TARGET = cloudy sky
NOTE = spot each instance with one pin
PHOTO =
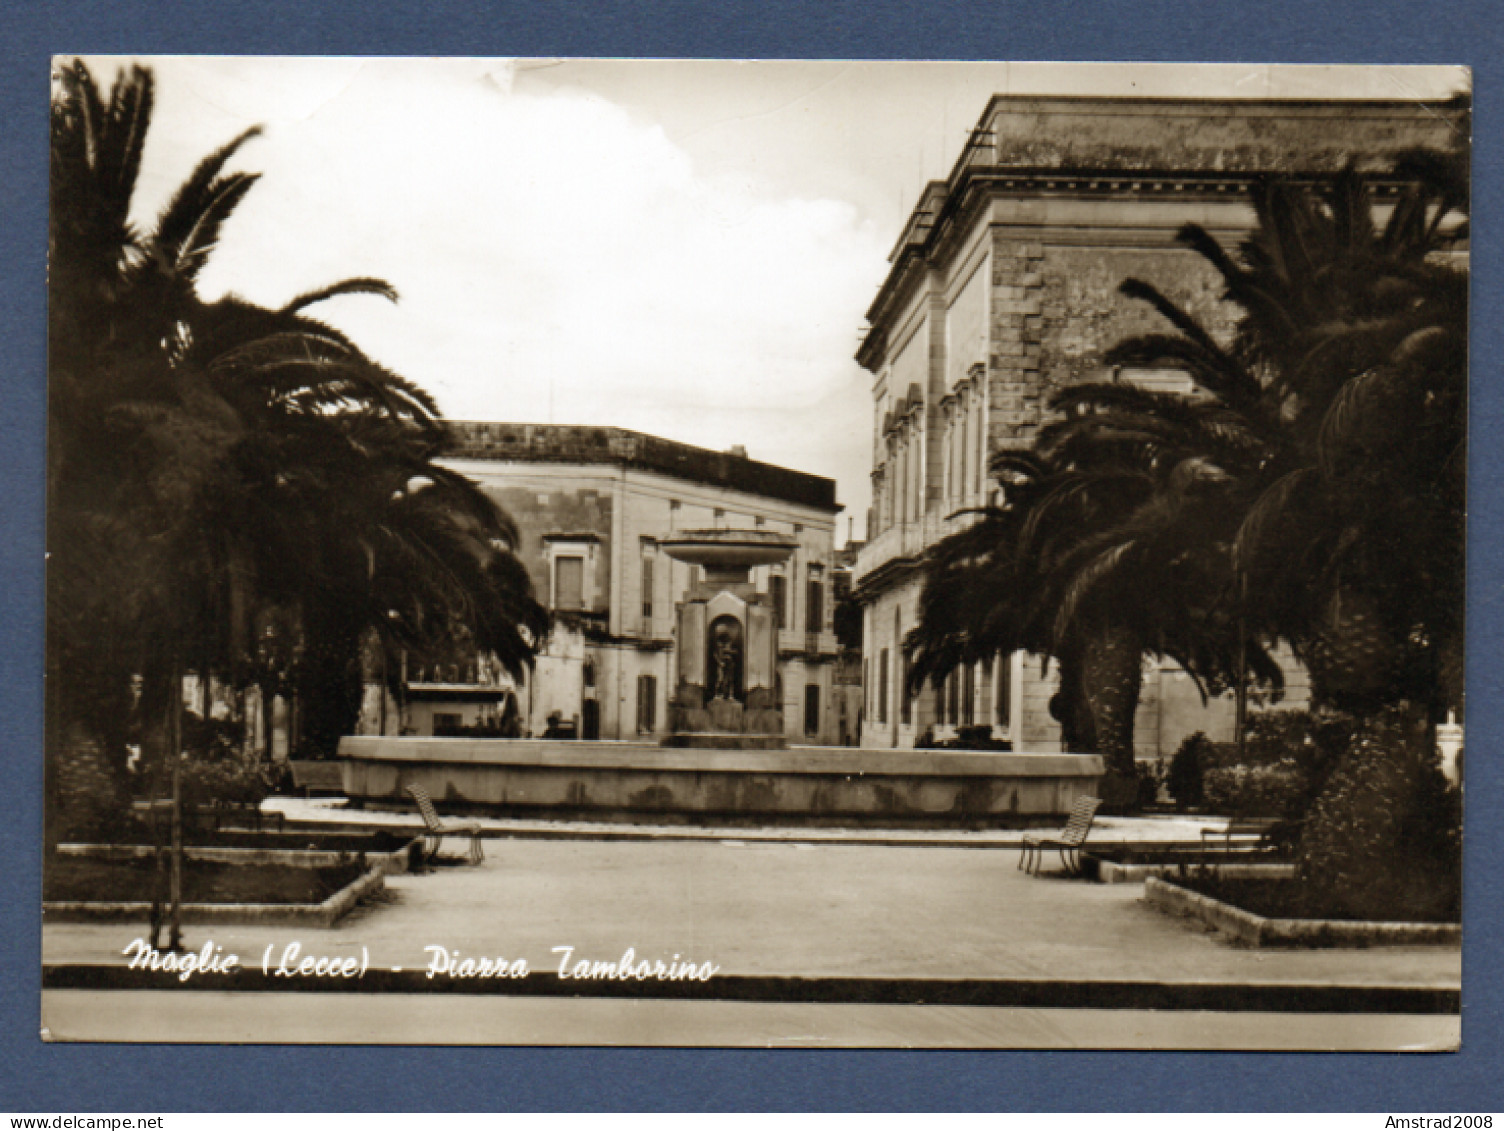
(681, 248)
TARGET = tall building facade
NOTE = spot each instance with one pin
(1003, 287)
(591, 506)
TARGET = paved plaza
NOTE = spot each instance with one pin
(789, 909)
(760, 908)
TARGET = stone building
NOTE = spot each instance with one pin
(1003, 287)
(591, 506)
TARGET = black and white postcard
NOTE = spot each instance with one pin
(706, 553)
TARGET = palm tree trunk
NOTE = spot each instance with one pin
(1112, 677)
(1068, 706)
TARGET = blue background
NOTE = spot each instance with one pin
(38, 1077)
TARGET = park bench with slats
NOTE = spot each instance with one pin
(1240, 832)
(1068, 843)
(438, 830)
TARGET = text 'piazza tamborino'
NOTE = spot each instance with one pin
(444, 962)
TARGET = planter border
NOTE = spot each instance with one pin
(1260, 931)
(1111, 872)
(324, 914)
(392, 863)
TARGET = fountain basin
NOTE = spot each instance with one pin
(627, 781)
(729, 549)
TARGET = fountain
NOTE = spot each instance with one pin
(726, 693)
(725, 759)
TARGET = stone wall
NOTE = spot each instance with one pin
(1015, 394)
(1082, 312)
(567, 508)
(1208, 136)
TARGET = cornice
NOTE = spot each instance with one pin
(975, 186)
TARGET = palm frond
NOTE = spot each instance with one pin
(189, 226)
(364, 286)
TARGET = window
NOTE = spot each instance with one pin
(812, 709)
(647, 703)
(904, 712)
(965, 439)
(882, 686)
(815, 610)
(968, 695)
(953, 699)
(905, 704)
(979, 474)
(587, 673)
(777, 591)
(647, 585)
(569, 583)
(1004, 689)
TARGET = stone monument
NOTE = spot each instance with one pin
(726, 693)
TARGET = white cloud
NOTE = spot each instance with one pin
(549, 248)
(682, 248)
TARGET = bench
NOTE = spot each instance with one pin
(1240, 832)
(1068, 843)
(326, 777)
(438, 830)
(212, 817)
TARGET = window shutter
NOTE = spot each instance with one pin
(812, 709)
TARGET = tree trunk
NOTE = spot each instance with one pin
(1354, 657)
(1383, 838)
(1069, 708)
(1112, 676)
(86, 788)
(85, 780)
(329, 689)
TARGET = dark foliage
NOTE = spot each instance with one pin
(218, 470)
(1383, 838)
(1184, 778)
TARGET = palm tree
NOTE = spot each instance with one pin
(1092, 560)
(1350, 528)
(1347, 375)
(423, 557)
(213, 463)
(1149, 518)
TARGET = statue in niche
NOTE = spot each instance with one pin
(726, 658)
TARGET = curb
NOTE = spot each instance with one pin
(324, 914)
(1260, 931)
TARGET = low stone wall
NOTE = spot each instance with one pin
(1256, 930)
(1111, 872)
(395, 862)
(630, 780)
(325, 914)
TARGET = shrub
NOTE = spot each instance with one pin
(1274, 737)
(1254, 791)
(238, 779)
(1151, 781)
(216, 771)
(1184, 779)
(1284, 764)
(965, 738)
